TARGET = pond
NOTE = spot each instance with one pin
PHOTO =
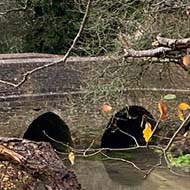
(112, 175)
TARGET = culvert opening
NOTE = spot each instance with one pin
(130, 120)
(49, 127)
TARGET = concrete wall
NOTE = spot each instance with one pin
(77, 89)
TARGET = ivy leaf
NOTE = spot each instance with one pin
(163, 110)
(169, 96)
(71, 158)
(147, 132)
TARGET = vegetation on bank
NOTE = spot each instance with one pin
(50, 26)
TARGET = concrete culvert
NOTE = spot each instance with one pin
(131, 120)
(49, 127)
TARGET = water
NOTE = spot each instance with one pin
(117, 175)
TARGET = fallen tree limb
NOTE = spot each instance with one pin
(31, 164)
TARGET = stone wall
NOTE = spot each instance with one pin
(76, 90)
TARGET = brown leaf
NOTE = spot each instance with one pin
(163, 110)
(186, 59)
(147, 132)
(124, 41)
(106, 108)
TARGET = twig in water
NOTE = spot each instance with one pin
(123, 160)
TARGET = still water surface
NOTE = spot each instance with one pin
(117, 175)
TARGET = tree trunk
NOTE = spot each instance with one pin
(33, 165)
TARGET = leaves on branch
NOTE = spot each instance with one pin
(163, 110)
(147, 132)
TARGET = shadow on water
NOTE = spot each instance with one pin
(112, 175)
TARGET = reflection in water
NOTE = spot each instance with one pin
(119, 173)
(95, 177)
(109, 175)
(125, 174)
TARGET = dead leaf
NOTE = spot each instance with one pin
(183, 106)
(163, 110)
(124, 40)
(180, 115)
(147, 132)
(71, 158)
(155, 44)
(186, 59)
(106, 108)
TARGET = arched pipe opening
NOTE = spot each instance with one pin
(126, 127)
(49, 127)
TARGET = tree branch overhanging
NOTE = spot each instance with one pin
(161, 47)
(147, 53)
(174, 43)
(62, 60)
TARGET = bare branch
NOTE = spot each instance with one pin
(176, 133)
(162, 47)
(174, 43)
(146, 53)
(63, 60)
(123, 160)
(125, 133)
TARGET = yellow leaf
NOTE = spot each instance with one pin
(180, 115)
(147, 132)
(183, 106)
(106, 108)
(71, 157)
(163, 110)
(186, 60)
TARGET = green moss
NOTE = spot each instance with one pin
(182, 160)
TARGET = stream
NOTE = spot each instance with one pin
(118, 175)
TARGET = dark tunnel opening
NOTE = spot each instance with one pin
(130, 120)
(49, 127)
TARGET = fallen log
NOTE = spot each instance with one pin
(32, 165)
